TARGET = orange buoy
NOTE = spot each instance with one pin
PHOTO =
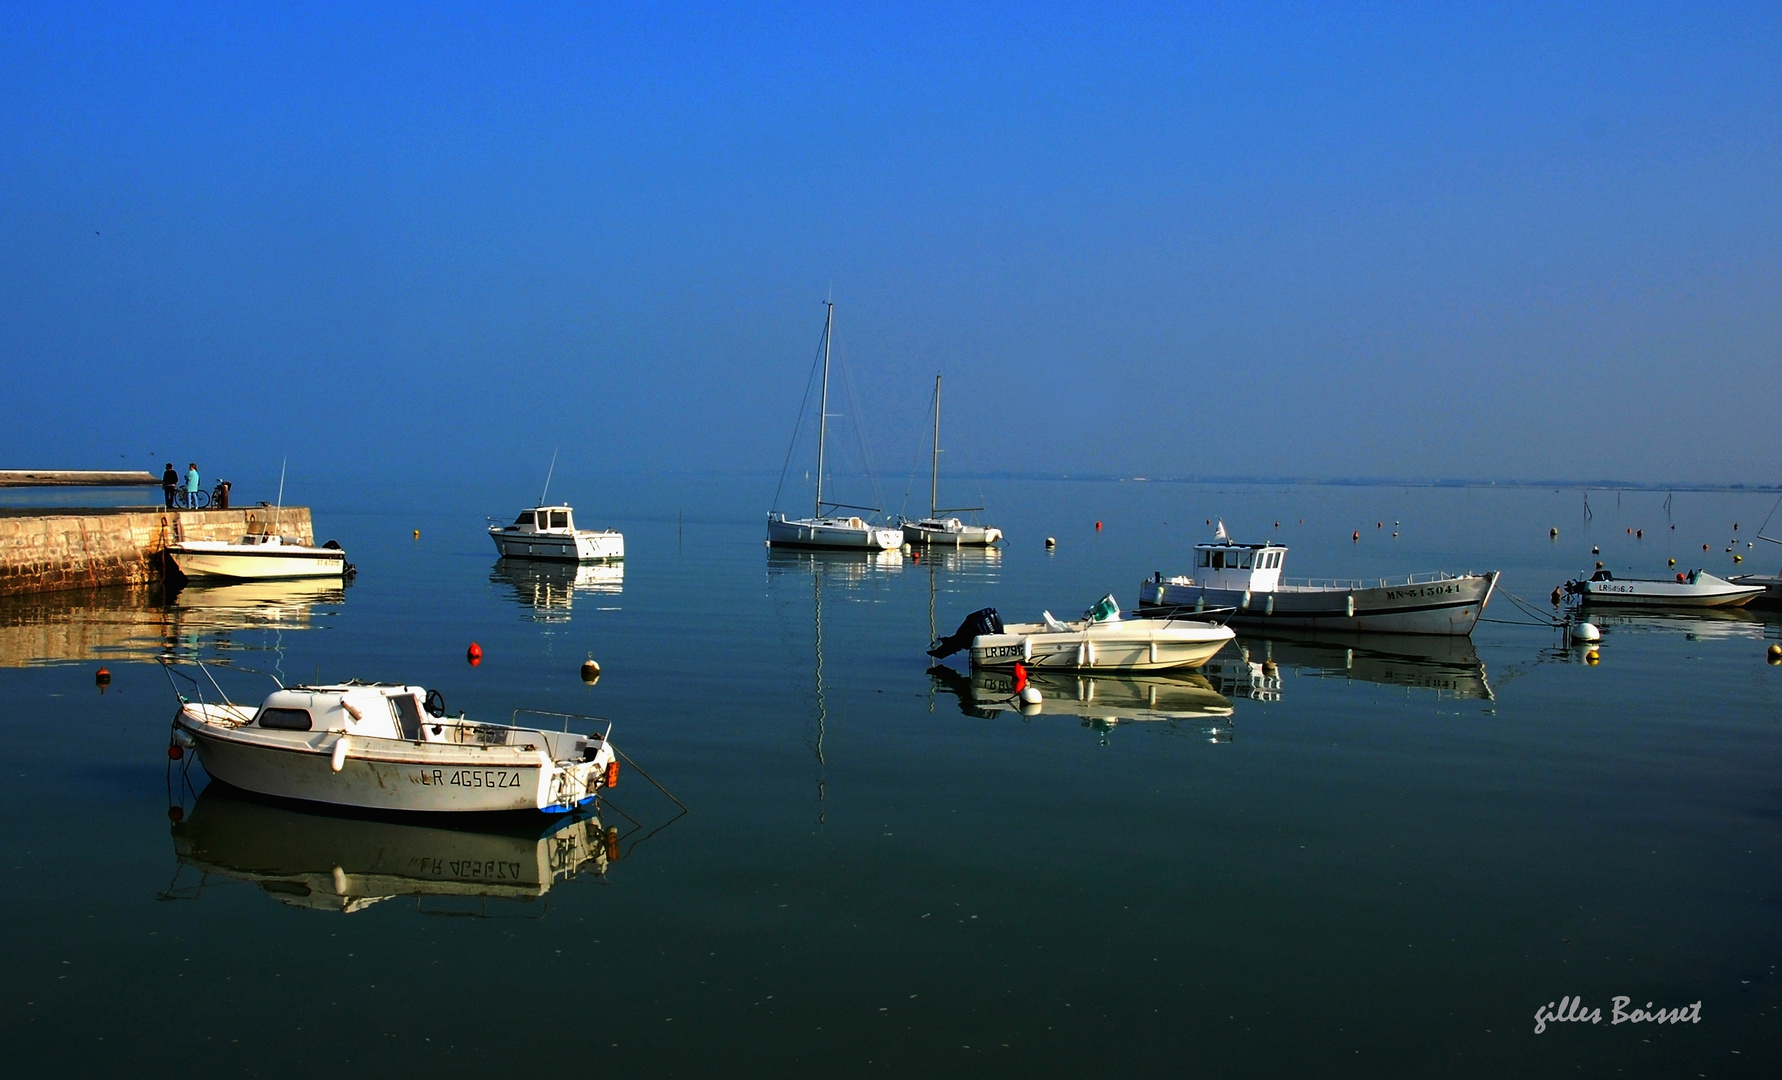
(175, 751)
(1020, 676)
(474, 654)
(1355, 536)
(1098, 526)
(1557, 596)
(612, 773)
(102, 679)
(176, 814)
(1704, 547)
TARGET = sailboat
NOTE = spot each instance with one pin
(829, 531)
(935, 529)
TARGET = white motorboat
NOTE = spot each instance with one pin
(334, 861)
(1100, 640)
(1247, 578)
(258, 557)
(946, 531)
(549, 532)
(1696, 588)
(822, 530)
(385, 746)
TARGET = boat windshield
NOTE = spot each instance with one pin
(524, 521)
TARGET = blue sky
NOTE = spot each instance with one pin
(1414, 241)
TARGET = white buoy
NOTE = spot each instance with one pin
(906, 549)
(1051, 543)
(1030, 695)
(1586, 631)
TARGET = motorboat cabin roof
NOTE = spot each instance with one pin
(378, 710)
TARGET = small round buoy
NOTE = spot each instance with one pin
(1558, 595)
(1735, 526)
(1594, 550)
(1738, 558)
(1679, 577)
(915, 556)
(1591, 657)
(906, 547)
(590, 671)
(1277, 524)
(1051, 543)
(417, 534)
(1704, 547)
(1379, 524)
(1599, 564)
(474, 654)
(1030, 695)
(1355, 536)
(1553, 534)
(176, 814)
(175, 751)
(1098, 526)
(1639, 534)
(102, 679)
(1673, 562)
(1586, 632)
(1268, 667)
(1775, 654)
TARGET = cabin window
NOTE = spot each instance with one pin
(1218, 560)
(407, 714)
(524, 521)
(1246, 563)
(285, 719)
(1204, 558)
(559, 519)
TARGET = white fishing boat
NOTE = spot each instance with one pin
(822, 530)
(936, 529)
(549, 532)
(258, 557)
(1695, 588)
(1247, 578)
(1100, 640)
(385, 746)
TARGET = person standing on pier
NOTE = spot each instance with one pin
(169, 484)
(193, 485)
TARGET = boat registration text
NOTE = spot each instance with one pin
(470, 778)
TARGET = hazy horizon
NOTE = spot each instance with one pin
(1522, 243)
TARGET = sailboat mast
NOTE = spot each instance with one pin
(934, 477)
(823, 404)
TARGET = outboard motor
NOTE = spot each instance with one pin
(981, 621)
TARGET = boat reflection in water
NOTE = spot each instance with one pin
(336, 861)
(1447, 665)
(1705, 624)
(838, 567)
(550, 588)
(1102, 702)
(142, 622)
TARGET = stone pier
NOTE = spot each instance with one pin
(48, 550)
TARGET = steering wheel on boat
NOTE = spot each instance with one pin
(435, 704)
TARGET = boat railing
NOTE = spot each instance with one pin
(169, 662)
(1370, 583)
(513, 720)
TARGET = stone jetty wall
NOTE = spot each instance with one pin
(52, 550)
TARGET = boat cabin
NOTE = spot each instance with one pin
(544, 519)
(1239, 567)
(376, 710)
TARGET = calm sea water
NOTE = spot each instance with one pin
(1363, 857)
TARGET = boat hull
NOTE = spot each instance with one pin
(1123, 646)
(1772, 588)
(831, 533)
(1450, 605)
(1668, 594)
(388, 774)
(966, 536)
(246, 563)
(580, 547)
